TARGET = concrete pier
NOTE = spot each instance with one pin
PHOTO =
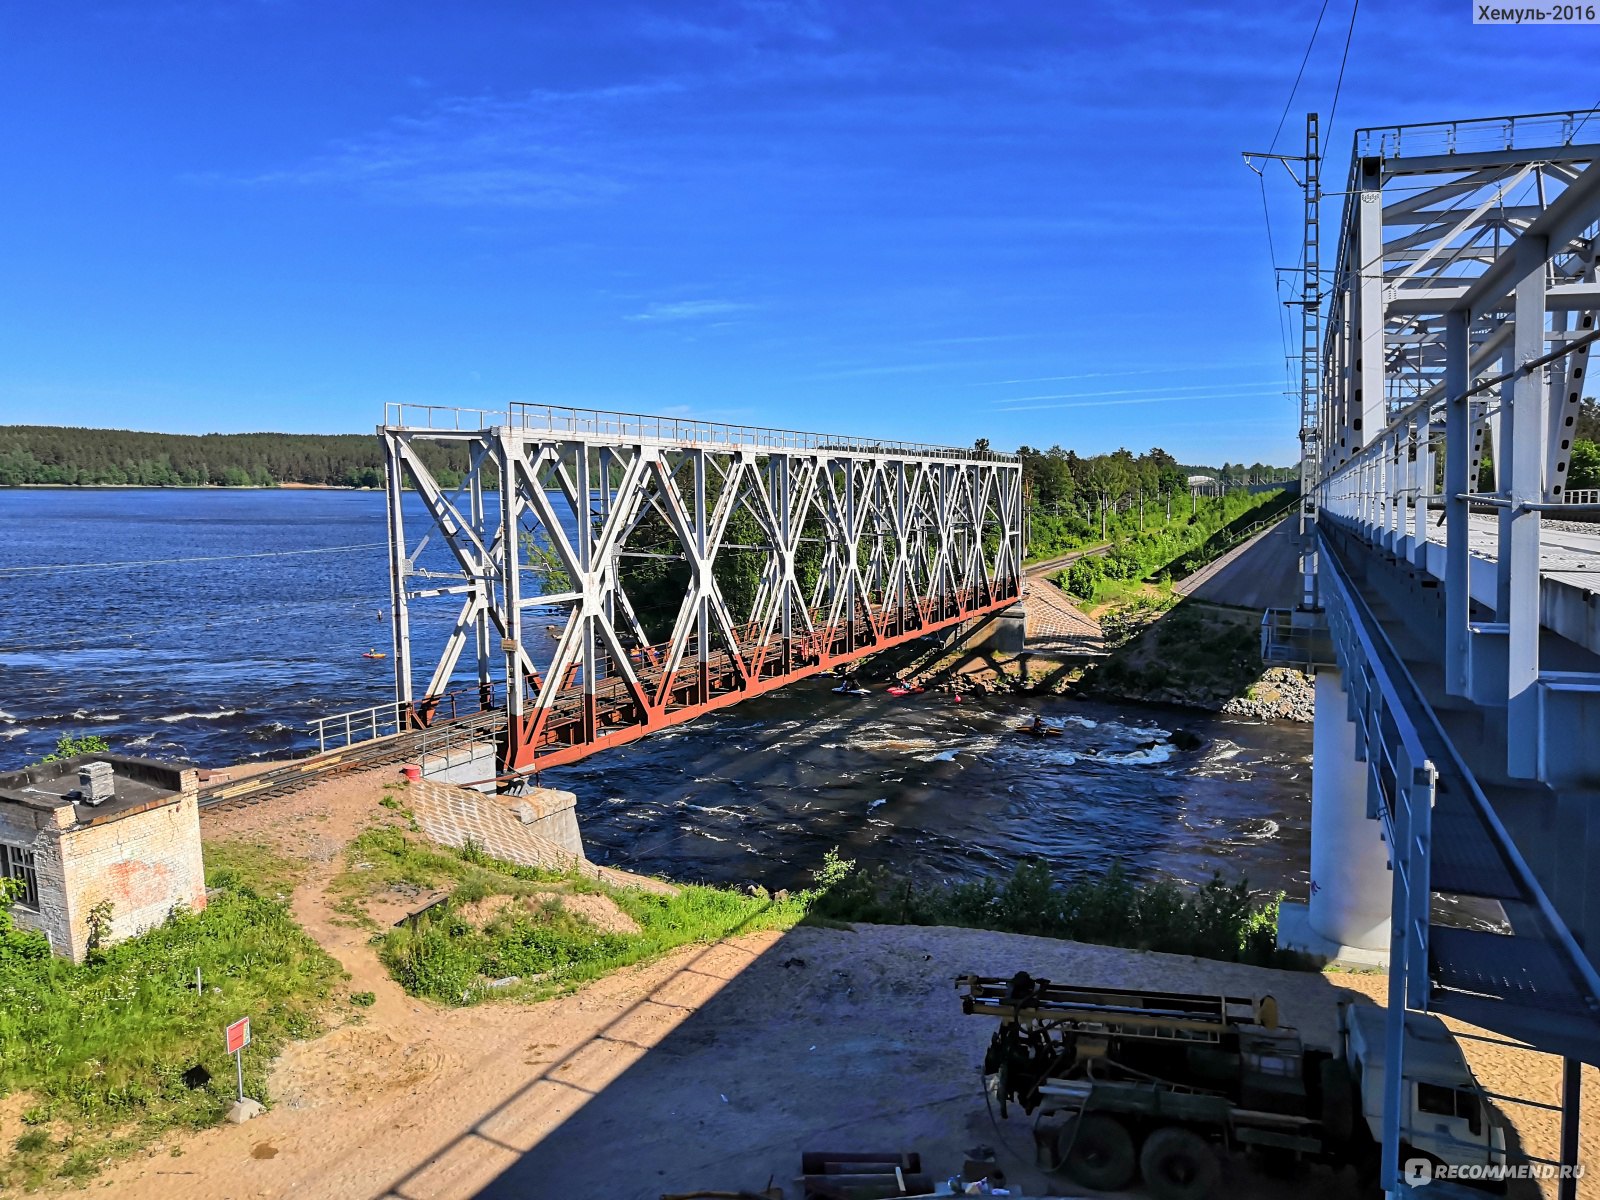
(547, 814)
(1346, 919)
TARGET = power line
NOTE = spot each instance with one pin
(1287, 104)
(1277, 286)
(160, 562)
(1339, 84)
(1583, 122)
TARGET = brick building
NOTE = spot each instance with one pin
(97, 828)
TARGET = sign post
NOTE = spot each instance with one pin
(238, 1037)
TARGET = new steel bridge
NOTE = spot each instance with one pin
(1455, 633)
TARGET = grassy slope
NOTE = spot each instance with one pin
(547, 948)
(102, 1048)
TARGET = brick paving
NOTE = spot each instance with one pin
(1055, 626)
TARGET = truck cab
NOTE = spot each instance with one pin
(1446, 1116)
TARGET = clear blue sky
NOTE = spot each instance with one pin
(1028, 222)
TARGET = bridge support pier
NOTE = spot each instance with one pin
(1346, 919)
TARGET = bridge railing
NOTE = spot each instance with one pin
(338, 730)
(684, 431)
(1478, 134)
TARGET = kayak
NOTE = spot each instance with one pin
(844, 689)
(1042, 731)
(901, 690)
(374, 654)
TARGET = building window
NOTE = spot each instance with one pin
(17, 863)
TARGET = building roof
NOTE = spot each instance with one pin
(139, 784)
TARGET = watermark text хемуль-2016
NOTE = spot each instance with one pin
(1535, 14)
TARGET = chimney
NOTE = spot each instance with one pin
(96, 782)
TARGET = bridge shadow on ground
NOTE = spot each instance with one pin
(1195, 653)
(755, 1050)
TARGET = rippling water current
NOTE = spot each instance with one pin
(221, 658)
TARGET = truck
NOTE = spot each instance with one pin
(1132, 1082)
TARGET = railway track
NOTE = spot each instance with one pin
(362, 756)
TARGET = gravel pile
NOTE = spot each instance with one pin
(1281, 695)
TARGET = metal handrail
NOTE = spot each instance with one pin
(597, 423)
(357, 725)
(1480, 133)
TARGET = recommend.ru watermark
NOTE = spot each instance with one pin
(1535, 14)
(1419, 1171)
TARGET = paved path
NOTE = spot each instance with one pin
(1055, 626)
(1263, 573)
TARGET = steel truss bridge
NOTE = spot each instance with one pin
(1445, 357)
(594, 577)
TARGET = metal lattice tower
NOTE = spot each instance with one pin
(608, 575)
(1310, 365)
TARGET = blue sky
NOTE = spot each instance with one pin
(1028, 222)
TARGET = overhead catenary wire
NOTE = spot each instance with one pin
(40, 568)
(1277, 287)
(1338, 86)
(1579, 126)
(1299, 75)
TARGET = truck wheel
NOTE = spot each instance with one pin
(1097, 1151)
(1179, 1165)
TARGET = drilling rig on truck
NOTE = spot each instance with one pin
(1131, 1083)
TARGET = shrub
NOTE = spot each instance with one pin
(1216, 920)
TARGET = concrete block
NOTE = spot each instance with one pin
(245, 1110)
(1295, 933)
(551, 814)
(470, 765)
(1004, 632)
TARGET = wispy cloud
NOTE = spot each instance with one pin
(1169, 393)
(1214, 397)
(1185, 369)
(688, 310)
(538, 149)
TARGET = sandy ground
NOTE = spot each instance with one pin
(714, 1067)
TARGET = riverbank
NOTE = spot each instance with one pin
(712, 1066)
(188, 487)
(1153, 649)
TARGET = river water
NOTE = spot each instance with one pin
(153, 629)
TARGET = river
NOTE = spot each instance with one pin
(213, 624)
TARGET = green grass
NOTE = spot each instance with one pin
(103, 1047)
(253, 867)
(1216, 920)
(547, 948)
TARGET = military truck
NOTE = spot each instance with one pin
(1129, 1083)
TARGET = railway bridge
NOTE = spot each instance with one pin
(1449, 605)
(595, 577)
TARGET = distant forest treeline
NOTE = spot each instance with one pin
(91, 457)
(54, 454)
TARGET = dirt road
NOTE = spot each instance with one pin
(713, 1067)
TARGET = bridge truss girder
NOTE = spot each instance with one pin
(1460, 318)
(835, 549)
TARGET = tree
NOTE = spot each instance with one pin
(1584, 473)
